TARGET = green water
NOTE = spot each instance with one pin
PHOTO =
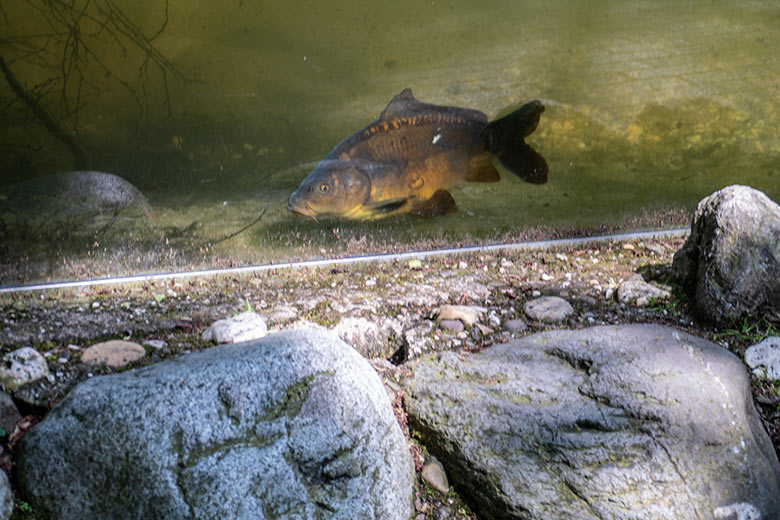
(650, 107)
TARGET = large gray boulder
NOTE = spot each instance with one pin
(6, 497)
(83, 192)
(730, 264)
(621, 422)
(293, 426)
(79, 200)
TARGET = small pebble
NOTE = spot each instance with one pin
(433, 473)
(22, 366)
(468, 315)
(245, 326)
(156, 344)
(453, 325)
(515, 326)
(548, 309)
(113, 353)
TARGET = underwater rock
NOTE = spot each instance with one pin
(281, 314)
(730, 264)
(371, 338)
(113, 353)
(420, 338)
(295, 425)
(636, 421)
(75, 196)
(764, 358)
(434, 474)
(637, 291)
(245, 326)
(548, 309)
(466, 314)
(9, 414)
(6, 497)
(515, 326)
(156, 344)
(22, 366)
(451, 325)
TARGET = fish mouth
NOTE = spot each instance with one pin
(301, 208)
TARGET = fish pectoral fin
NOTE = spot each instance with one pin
(382, 207)
(481, 169)
(441, 203)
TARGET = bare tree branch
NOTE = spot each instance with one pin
(76, 38)
(46, 120)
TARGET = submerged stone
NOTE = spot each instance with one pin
(515, 326)
(466, 314)
(6, 497)
(619, 422)
(434, 474)
(114, 353)
(548, 309)
(76, 193)
(294, 426)
(764, 358)
(730, 264)
(637, 291)
(375, 338)
(245, 326)
(22, 366)
(453, 325)
(9, 414)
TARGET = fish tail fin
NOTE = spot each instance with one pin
(505, 138)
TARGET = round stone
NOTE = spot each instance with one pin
(548, 309)
(515, 326)
(114, 353)
(22, 366)
(453, 325)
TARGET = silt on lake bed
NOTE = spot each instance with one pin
(405, 161)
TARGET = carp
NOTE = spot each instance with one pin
(408, 159)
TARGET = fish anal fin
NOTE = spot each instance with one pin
(481, 169)
(523, 161)
(440, 203)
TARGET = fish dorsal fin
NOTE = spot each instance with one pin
(402, 105)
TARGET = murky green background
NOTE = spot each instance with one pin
(650, 107)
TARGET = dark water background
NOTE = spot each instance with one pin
(216, 112)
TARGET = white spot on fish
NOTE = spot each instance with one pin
(436, 138)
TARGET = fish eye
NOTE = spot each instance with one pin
(324, 188)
